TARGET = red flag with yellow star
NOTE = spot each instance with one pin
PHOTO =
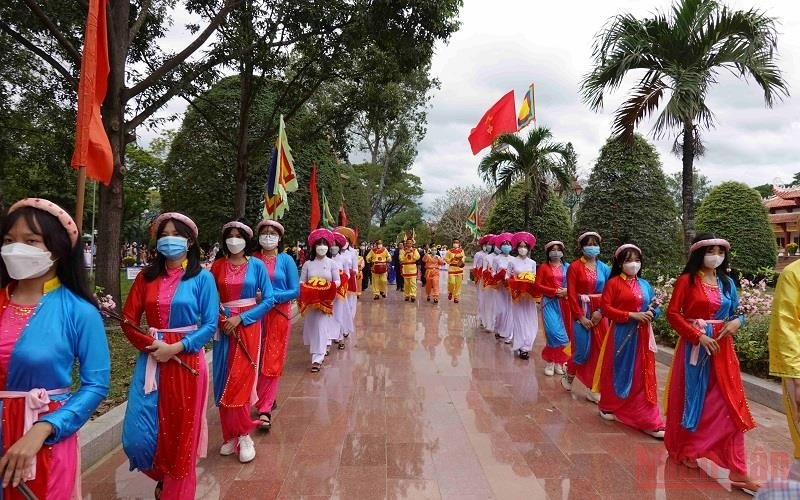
(500, 119)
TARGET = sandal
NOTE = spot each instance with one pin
(274, 406)
(341, 345)
(315, 367)
(159, 489)
(746, 485)
(265, 421)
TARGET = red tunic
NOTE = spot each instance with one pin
(548, 280)
(581, 280)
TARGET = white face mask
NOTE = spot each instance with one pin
(26, 261)
(456, 245)
(235, 245)
(522, 251)
(322, 250)
(631, 268)
(380, 245)
(713, 261)
(555, 254)
(269, 241)
(335, 250)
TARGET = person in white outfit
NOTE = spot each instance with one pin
(524, 309)
(318, 277)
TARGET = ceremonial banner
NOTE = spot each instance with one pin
(500, 119)
(281, 176)
(527, 109)
(327, 217)
(342, 213)
(92, 148)
(314, 217)
(473, 222)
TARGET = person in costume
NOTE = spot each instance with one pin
(379, 260)
(48, 321)
(239, 279)
(432, 262)
(408, 269)
(455, 271)
(349, 249)
(586, 278)
(319, 281)
(341, 306)
(706, 407)
(165, 427)
(551, 285)
(502, 297)
(488, 288)
(784, 351)
(277, 323)
(628, 387)
(524, 314)
(477, 274)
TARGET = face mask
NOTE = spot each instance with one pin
(235, 245)
(591, 251)
(172, 246)
(555, 254)
(506, 249)
(322, 250)
(456, 245)
(269, 241)
(631, 268)
(26, 261)
(522, 251)
(335, 250)
(380, 245)
(497, 250)
(713, 261)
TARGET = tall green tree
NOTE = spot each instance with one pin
(536, 161)
(402, 191)
(627, 201)
(702, 185)
(681, 53)
(448, 213)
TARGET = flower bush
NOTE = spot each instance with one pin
(755, 302)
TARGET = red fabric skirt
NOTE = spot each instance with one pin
(276, 331)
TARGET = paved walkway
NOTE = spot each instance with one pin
(424, 404)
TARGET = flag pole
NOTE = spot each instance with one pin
(79, 200)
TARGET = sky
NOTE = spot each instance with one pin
(509, 44)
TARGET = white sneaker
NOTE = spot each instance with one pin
(594, 397)
(606, 415)
(509, 340)
(247, 449)
(549, 369)
(560, 370)
(659, 434)
(229, 448)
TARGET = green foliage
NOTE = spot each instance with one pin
(626, 201)
(702, 185)
(735, 212)
(791, 248)
(765, 190)
(402, 190)
(551, 222)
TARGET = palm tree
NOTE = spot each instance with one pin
(681, 54)
(536, 161)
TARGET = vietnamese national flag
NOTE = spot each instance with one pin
(500, 119)
(92, 148)
(313, 220)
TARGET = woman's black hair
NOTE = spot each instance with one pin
(584, 241)
(313, 250)
(223, 247)
(616, 266)
(695, 263)
(158, 267)
(257, 246)
(68, 260)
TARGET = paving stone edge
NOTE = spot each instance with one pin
(103, 435)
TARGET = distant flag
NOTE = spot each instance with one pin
(473, 222)
(342, 213)
(327, 218)
(527, 110)
(314, 214)
(281, 178)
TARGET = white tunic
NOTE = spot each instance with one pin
(318, 328)
(524, 311)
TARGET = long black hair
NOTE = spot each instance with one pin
(616, 266)
(223, 247)
(695, 263)
(158, 267)
(68, 259)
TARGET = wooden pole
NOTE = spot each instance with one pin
(79, 197)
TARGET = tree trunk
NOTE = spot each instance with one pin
(687, 185)
(111, 196)
(242, 141)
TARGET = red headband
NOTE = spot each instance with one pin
(52, 209)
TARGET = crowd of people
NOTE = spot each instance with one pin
(597, 322)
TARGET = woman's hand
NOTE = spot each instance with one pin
(710, 345)
(19, 457)
(641, 317)
(730, 328)
(163, 352)
(586, 322)
(561, 292)
(231, 323)
(596, 317)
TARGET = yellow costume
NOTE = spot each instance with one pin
(455, 272)
(784, 344)
(379, 258)
(408, 262)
